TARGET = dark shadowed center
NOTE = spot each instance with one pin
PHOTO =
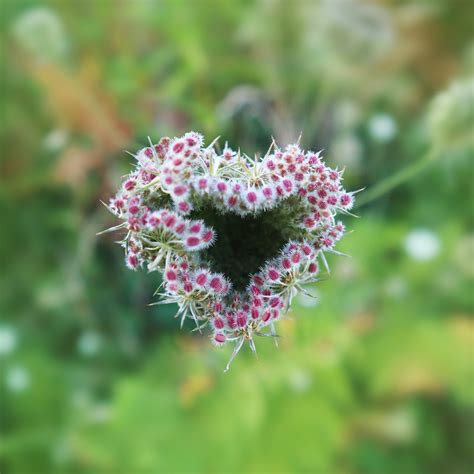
(244, 244)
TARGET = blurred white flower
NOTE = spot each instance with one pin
(300, 381)
(8, 340)
(89, 343)
(100, 413)
(400, 425)
(347, 151)
(355, 30)
(395, 286)
(395, 425)
(382, 128)
(451, 117)
(95, 411)
(422, 244)
(49, 297)
(40, 32)
(17, 379)
(346, 269)
(346, 114)
(55, 140)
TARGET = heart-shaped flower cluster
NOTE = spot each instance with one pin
(235, 238)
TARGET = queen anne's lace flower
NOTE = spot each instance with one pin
(235, 238)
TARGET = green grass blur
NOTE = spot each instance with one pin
(376, 375)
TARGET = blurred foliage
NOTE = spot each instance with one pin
(377, 377)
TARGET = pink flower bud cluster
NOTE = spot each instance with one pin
(176, 176)
(153, 235)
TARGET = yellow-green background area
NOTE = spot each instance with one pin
(376, 377)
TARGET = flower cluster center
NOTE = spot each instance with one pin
(245, 243)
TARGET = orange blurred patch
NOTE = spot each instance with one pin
(463, 328)
(82, 108)
(413, 380)
(362, 322)
(194, 386)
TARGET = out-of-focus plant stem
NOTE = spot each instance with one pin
(391, 182)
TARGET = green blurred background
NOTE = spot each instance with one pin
(376, 376)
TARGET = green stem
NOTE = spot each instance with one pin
(391, 182)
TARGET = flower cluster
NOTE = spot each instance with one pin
(186, 209)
